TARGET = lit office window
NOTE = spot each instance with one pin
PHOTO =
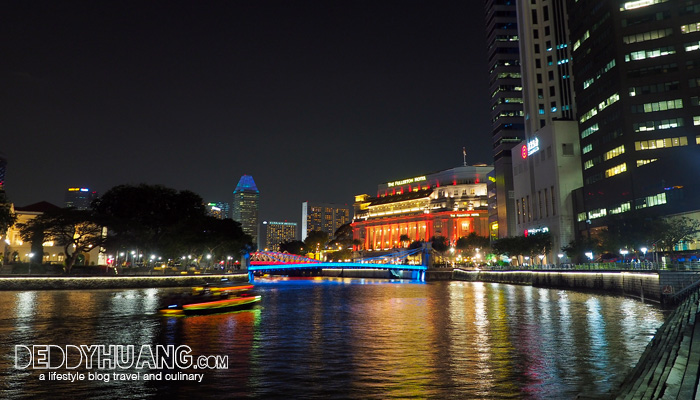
(616, 170)
(650, 53)
(587, 148)
(661, 143)
(644, 36)
(658, 106)
(658, 125)
(632, 5)
(690, 28)
(645, 162)
(692, 46)
(589, 131)
(621, 208)
(614, 153)
(601, 212)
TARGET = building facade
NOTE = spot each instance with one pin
(17, 250)
(452, 203)
(80, 198)
(325, 217)
(637, 68)
(246, 204)
(273, 233)
(507, 129)
(220, 210)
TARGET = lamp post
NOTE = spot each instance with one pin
(541, 257)
(560, 255)
(624, 253)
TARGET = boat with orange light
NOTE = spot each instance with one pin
(209, 300)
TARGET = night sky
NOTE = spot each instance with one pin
(317, 100)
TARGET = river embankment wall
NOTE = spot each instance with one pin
(644, 285)
(112, 282)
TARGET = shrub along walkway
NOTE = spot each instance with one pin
(669, 367)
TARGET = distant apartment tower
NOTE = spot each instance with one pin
(324, 217)
(273, 233)
(507, 124)
(220, 210)
(637, 69)
(246, 203)
(547, 165)
(80, 198)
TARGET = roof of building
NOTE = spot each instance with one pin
(246, 184)
(414, 195)
(42, 207)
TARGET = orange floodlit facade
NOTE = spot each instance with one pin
(450, 203)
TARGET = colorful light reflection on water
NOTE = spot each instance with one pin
(348, 338)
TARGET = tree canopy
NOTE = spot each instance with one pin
(75, 230)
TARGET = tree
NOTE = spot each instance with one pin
(576, 249)
(439, 243)
(405, 240)
(152, 218)
(293, 247)
(472, 242)
(674, 230)
(76, 230)
(316, 241)
(7, 217)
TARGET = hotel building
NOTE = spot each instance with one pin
(273, 233)
(450, 203)
(323, 217)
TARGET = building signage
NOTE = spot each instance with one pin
(533, 145)
(406, 181)
(523, 152)
(536, 230)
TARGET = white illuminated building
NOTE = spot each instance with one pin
(546, 169)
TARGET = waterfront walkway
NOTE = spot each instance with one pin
(670, 366)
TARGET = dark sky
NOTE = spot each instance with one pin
(317, 100)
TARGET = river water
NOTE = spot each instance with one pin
(336, 338)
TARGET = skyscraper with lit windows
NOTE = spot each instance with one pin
(637, 70)
(80, 198)
(507, 129)
(246, 203)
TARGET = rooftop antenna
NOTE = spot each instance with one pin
(464, 154)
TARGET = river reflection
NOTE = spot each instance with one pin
(346, 338)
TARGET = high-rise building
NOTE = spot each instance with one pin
(507, 129)
(273, 233)
(452, 203)
(220, 210)
(80, 198)
(546, 165)
(637, 70)
(3, 168)
(246, 203)
(325, 217)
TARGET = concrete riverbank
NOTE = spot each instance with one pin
(657, 286)
(112, 282)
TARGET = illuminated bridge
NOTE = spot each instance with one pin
(281, 263)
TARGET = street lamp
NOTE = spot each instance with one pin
(541, 256)
(589, 254)
(560, 255)
(624, 252)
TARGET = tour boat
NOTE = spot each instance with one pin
(209, 300)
